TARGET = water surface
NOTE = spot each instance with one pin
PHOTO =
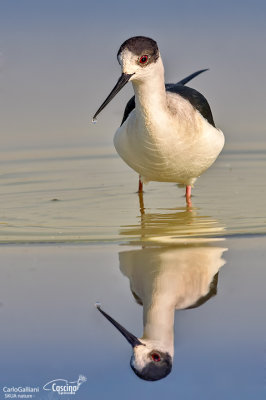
(88, 195)
(74, 231)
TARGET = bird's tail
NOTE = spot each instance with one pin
(191, 76)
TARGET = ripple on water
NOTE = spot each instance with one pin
(89, 195)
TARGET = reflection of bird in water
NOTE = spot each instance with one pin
(172, 226)
(167, 133)
(163, 279)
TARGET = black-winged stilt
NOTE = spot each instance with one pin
(167, 132)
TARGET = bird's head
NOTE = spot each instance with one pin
(149, 361)
(137, 57)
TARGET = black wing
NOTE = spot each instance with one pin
(197, 100)
(129, 107)
(187, 78)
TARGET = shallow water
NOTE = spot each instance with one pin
(74, 231)
(88, 195)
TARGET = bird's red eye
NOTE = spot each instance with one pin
(143, 59)
(156, 357)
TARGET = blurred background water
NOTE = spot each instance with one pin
(58, 63)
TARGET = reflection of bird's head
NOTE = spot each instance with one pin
(148, 360)
(150, 363)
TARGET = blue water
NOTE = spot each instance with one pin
(73, 233)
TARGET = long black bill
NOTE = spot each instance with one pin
(133, 340)
(124, 78)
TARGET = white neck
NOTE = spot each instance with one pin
(150, 94)
(158, 321)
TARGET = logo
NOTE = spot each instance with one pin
(63, 386)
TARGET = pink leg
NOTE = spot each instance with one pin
(188, 195)
(140, 186)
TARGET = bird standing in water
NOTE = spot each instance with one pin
(167, 132)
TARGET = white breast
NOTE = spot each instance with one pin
(173, 146)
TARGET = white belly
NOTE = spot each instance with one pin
(168, 152)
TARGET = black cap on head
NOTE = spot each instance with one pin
(141, 45)
(153, 371)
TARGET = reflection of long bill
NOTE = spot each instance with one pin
(133, 340)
